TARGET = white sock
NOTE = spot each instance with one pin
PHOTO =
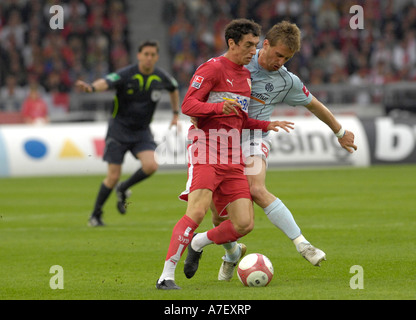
(232, 251)
(229, 246)
(298, 240)
(168, 271)
(200, 240)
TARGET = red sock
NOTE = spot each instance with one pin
(224, 233)
(181, 236)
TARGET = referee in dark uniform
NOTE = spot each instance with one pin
(138, 90)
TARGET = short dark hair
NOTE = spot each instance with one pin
(237, 28)
(149, 43)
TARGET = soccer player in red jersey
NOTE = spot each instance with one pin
(218, 95)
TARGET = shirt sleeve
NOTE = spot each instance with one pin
(170, 82)
(115, 79)
(254, 124)
(298, 95)
(203, 81)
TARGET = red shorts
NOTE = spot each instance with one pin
(227, 182)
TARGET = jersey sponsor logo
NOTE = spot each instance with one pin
(197, 82)
(230, 82)
(305, 91)
(244, 103)
(218, 97)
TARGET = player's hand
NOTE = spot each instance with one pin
(175, 122)
(83, 86)
(285, 125)
(194, 121)
(230, 106)
(347, 141)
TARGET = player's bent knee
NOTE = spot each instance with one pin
(196, 214)
(150, 168)
(244, 227)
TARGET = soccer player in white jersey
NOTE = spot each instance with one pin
(272, 83)
(212, 177)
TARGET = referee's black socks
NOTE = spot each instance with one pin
(102, 196)
(136, 177)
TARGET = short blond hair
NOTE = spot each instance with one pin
(286, 33)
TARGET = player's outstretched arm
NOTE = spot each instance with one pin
(97, 85)
(285, 125)
(347, 141)
(265, 126)
(345, 137)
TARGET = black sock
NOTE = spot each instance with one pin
(102, 196)
(136, 177)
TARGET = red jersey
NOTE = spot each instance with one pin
(217, 139)
(34, 108)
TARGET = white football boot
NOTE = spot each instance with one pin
(310, 253)
(227, 268)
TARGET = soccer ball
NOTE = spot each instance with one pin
(255, 270)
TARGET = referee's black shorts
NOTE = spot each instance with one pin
(115, 150)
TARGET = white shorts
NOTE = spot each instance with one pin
(257, 147)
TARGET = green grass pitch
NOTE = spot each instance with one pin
(358, 216)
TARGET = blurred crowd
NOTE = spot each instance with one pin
(38, 62)
(38, 65)
(383, 51)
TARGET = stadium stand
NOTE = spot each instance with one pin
(93, 41)
(332, 53)
(372, 70)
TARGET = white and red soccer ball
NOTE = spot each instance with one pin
(255, 270)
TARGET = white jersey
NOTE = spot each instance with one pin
(268, 88)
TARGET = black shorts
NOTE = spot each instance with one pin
(115, 150)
